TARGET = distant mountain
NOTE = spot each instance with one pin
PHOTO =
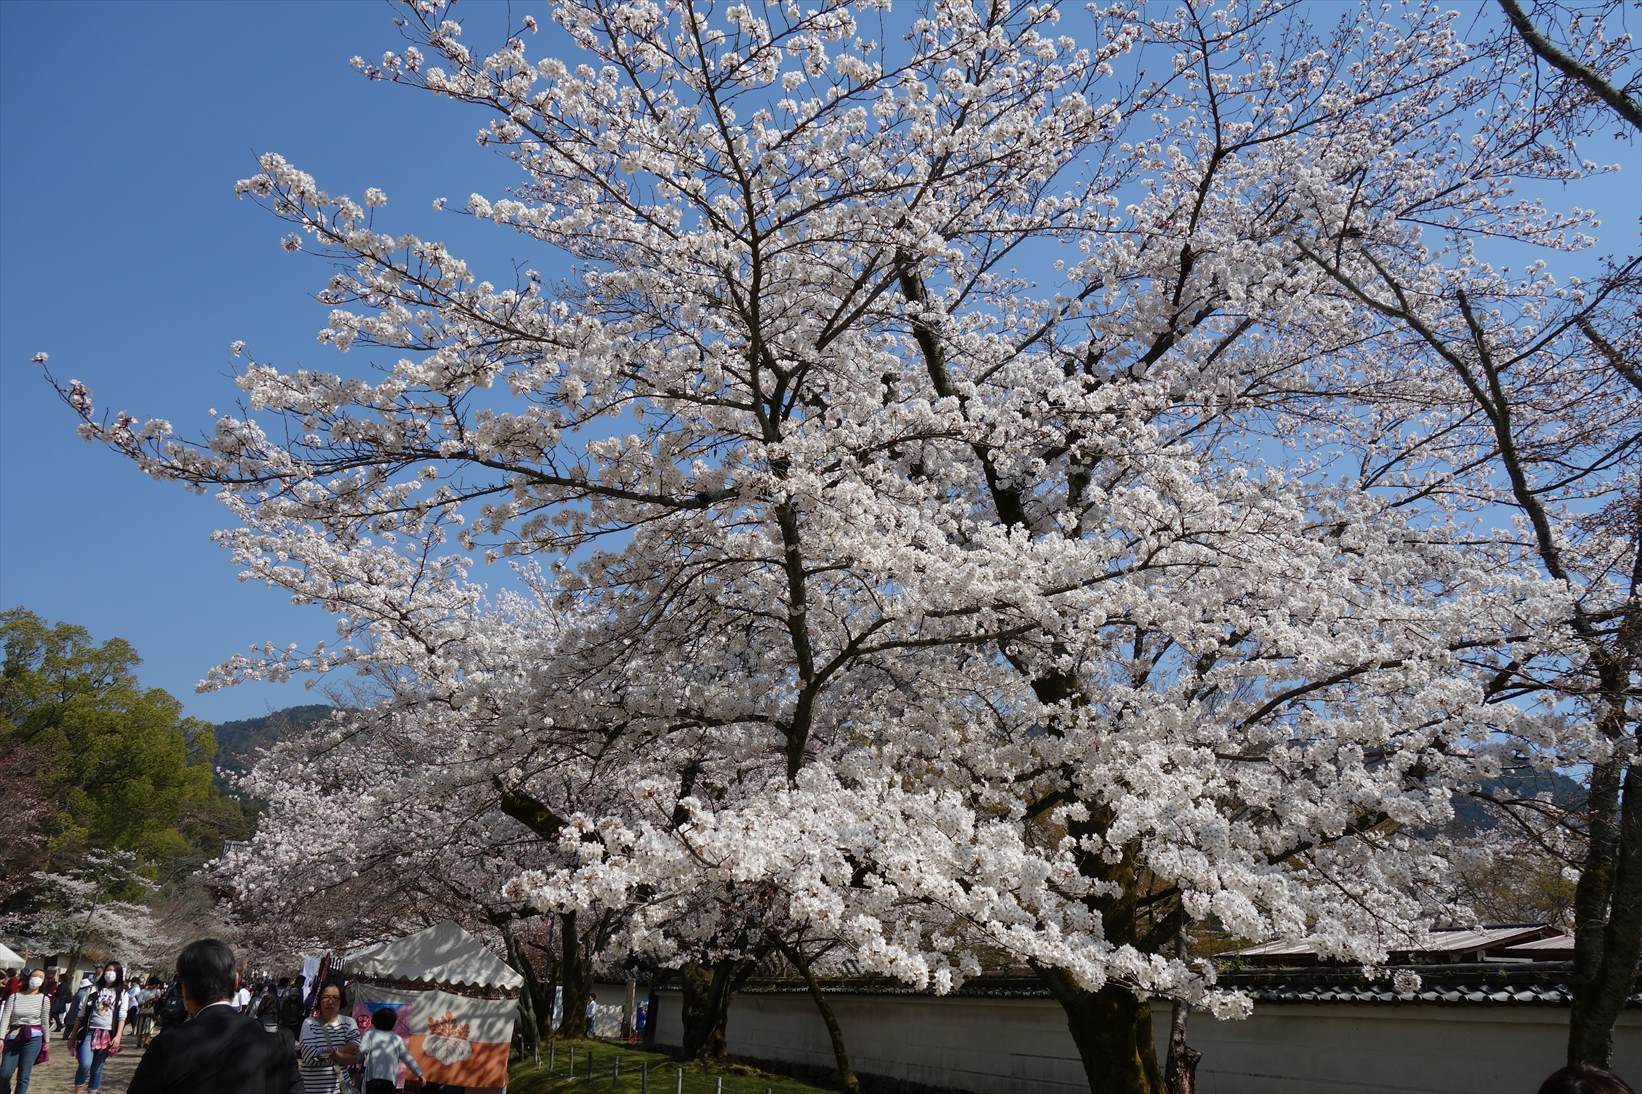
(1471, 815)
(237, 742)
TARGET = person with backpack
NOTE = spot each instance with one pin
(293, 1009)
(98, 1029)
(169, 1010)
(146, 1009)
(76, 1004)
(265, 1006)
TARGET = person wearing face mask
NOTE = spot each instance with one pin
(218, 1050)
(102, 1020)
(23, 1019)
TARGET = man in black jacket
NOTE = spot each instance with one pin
(218, 1049)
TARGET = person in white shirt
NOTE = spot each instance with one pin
(134, 996)
(382, 1050)
(242, 999)
(101, 1021)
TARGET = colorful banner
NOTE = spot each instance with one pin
(456, 1039)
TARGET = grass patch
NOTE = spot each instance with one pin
(526, 1078)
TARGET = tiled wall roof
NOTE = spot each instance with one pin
(1540, 983)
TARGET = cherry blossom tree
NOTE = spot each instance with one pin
(419, 805)
(100, 903)
(990, 509)
(1533, 373)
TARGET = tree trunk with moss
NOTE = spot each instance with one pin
(1113, 1032)
(706, 991)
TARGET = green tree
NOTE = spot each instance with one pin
(125, 769)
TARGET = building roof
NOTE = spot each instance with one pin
(1462, 940)
(1558, 945)
(1541, 983)
(1492, 984)
(1440, 942)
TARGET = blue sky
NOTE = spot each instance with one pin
(126, 256)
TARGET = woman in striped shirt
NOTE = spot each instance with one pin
(23, 1019)
(329, 1043)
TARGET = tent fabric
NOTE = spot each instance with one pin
(444, 955)
(455, 1039)
(11, 959)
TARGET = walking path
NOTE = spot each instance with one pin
(57, 1076)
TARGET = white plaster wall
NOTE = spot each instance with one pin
(1344, 1049)
(1021, 1046)
(612, 1004)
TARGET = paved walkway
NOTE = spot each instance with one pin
(57, 1076)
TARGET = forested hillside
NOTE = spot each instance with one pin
(238, 741)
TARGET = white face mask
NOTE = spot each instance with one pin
(108, 978)
(36, 981)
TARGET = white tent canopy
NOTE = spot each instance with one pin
(443, 955)
(11, 959)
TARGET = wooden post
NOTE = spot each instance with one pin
(644, 1077)
(572, 1068)
(681, 1081)
(720, 1087)
(615, 1072)
(552, 1051)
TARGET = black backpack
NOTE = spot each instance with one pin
(291, 1008)
(168, 1010)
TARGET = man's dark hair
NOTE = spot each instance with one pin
(1584, 1079)
(384, 1018)
(206, 969)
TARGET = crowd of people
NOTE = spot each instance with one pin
(206, 1031)
(96, 1016)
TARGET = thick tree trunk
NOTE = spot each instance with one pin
(1180, 1070)
(706, 998)
(847, 1082)
(1608, 914)
(577, 976)
(1113, 1032)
